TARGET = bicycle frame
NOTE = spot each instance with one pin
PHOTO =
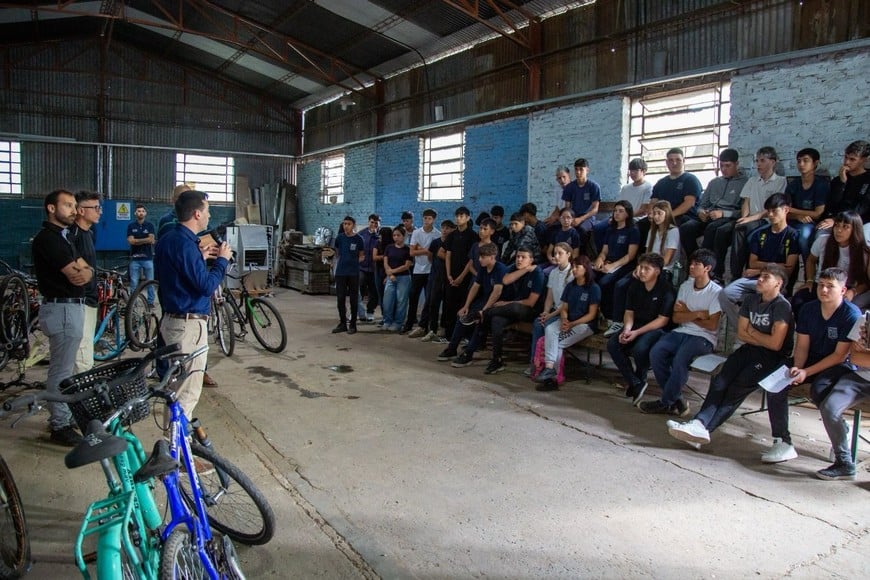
(120, 341)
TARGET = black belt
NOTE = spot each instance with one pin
(190, 316)
(92, 302)
(63, 300)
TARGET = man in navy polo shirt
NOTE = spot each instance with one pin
(61, 275)
(582, 196)
(679, 187)
(186, 286)
(349, 251)
(141, 236)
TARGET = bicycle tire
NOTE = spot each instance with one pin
(179, 557)
(4, 358)
(223, 328)
(15, 308)
(134, 317)
(265, 320)
(238, 318)
(14, 539)
(111, 342)
(235, 508)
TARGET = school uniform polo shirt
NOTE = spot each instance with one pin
(772, 246)
(488, 280)
(618, 241)
(675, 190)
(570, 236)
(581, 196)
(808, 199)
(825, 334)
(579, 299)
(347, 248)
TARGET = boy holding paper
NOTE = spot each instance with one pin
(765, 326)
(822, 342)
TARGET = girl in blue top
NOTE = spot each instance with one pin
(616, 259)
(397, 269)
(578, 315)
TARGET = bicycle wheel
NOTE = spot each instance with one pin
(14, 541)
(223, 328)
(267, 325)
(234, 505)
(141, 328)
(179, 558)
(111, 341)
(140, 323)
(13, 313)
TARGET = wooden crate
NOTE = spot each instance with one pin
(306, 281)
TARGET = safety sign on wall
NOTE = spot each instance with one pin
(122, 211)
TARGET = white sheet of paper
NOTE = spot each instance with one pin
(777, 380)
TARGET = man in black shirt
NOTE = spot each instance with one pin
(458, 245)
(648, 310)
(61, 275)
(81, 235)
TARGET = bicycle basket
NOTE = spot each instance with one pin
(124, 383)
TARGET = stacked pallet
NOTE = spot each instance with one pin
(306, 268)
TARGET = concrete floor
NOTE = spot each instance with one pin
(406, 467)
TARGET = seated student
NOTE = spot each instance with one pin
(500, 232)
(664, 240)
(563, 178)
(616, 259)
(846, 249)
(485, 230)
(776, 243)
(565, 233)
(529, 211)
(397, 269)
(648, 309)
(808, 196)
(521, 300)
(822, 342)
(583, 196)
(838, 389)
(560, 276)
(435, 287)
(522, 236)
(765, 327)
(696, 313)
(637, 193)
(483, 294)
(850, 187)
(577, 316)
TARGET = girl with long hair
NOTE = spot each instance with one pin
(560, 276)
(617, 257)
(664, 236)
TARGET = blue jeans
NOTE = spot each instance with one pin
(640, 349)
(63, 324)
(607, 283)
(671, 357)
(395, 304)
(538, 332)
(731, 297)
(805, 236)
(137, 268)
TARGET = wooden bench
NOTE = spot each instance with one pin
(798, 395)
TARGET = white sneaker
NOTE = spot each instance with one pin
(691, 432)
(615, 328)
(779, 452)
(429, 337)
(529, 370)
(417, 332)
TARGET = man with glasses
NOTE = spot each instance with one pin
(61, 275)
(140, 236)
(752, 213)
(81, 235)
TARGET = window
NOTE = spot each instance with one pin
(10, 167)
(696, 122)
(443, 161)
(213, 175)
(332, 179)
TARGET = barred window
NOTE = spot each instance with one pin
(10, 167)
(332, 179)
(442, 166)
(213, 175)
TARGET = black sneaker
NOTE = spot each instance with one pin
(839, 470)
(446, 354)
(463, 360)
(655, 408)
(471, 318)
(635, 392)
(496, 365)
(66, 436)
(547, 386)
(342, 327)
(351, 329)
(680, 408)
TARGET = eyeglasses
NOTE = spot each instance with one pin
(93, 207)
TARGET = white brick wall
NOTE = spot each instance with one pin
(596, 131)
(817, 102)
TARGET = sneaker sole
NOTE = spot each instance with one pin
(445, 358)
(836, 477)
(457, 365)
(687, 437)
(493, 371)
(783, 459)
(636, 400)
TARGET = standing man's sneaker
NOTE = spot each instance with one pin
(446, 354)
(691, 432)
(839, 470)
(417, 332)
(440, 339)
(370, 317)
(496, 365)
(779, 452)
(429, 337)
(342, 327)
(352, 329)
(463, 360)
(66, 436)
(615, 328)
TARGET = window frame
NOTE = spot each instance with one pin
(332, 179)
(220, 191)
(439, 146)
(10, 168)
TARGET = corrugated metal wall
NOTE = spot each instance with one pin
(592, 47)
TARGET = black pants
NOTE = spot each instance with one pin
(740, 246)
(495, 320)
(435, 313)
(454, 299)
(368, 287)
(347, 287)
(418, 284)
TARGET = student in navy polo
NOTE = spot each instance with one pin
(349, 251)
(776, 243)
(141, 237)
(582, 196)
(566, 234)
(822, 342)
(617, 256)
(808, 197)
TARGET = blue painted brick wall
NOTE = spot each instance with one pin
(397, 181)
(497, 165)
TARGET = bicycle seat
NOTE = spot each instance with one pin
(160, 463)
(96, 445)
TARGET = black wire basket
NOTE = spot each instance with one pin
(125, 381)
